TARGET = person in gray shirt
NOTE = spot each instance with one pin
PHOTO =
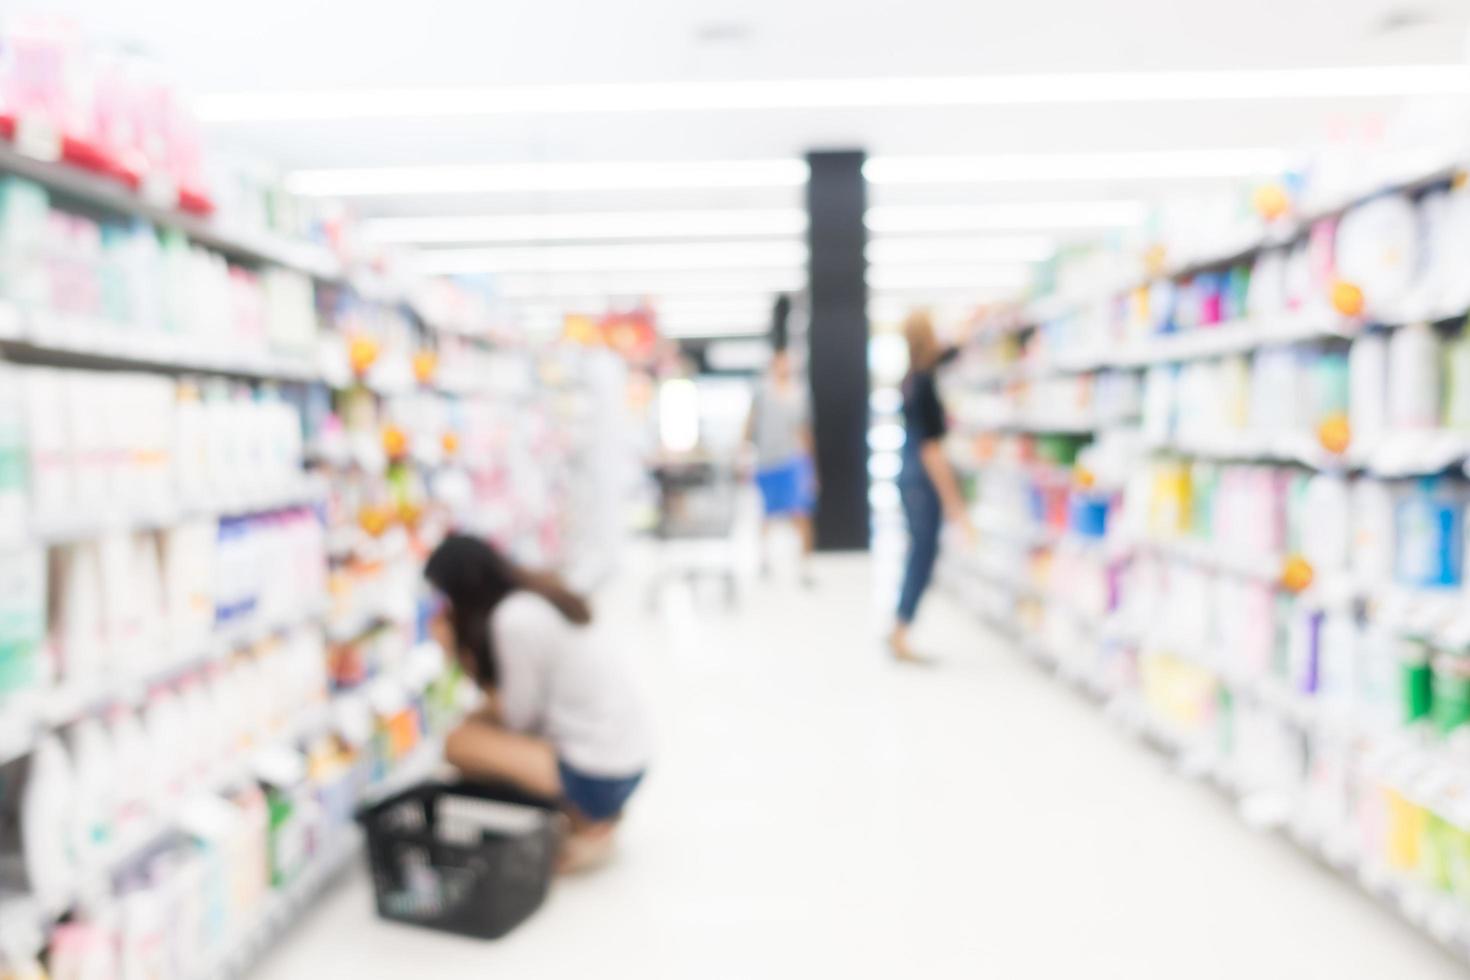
(780, 428)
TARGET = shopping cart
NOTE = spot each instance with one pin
(698, 511)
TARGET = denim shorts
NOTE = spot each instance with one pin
(597, 798)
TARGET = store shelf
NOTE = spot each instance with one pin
(1437, 614)
(1202, 343)
(1262, 568)
(158, 831)
(1241, 250)
(989, 521)
(105, 193)
(1397, 455)
(284, 907)
(251, 248)
(423, 763)
(51, 339)
(1042, 424)
(1440, 916)
(31, 714)
(47, 530)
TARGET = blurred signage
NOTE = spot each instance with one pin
(631, 333)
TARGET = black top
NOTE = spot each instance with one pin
(923, 415)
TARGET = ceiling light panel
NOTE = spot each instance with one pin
(1015, 248)
(1032, 167)
(1070, 215)
(632, 285)
(515, 177)
(1083, 88)
(753, 307)
(677, 327)
(732, 256)
(603, 225)
(937, 277)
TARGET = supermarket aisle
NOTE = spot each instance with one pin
(819, 811)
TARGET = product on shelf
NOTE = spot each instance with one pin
(104, 111)
(1297, 631)
(124, 286)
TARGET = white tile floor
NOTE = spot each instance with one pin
(818, 811)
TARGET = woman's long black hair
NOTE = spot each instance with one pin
(475, 577)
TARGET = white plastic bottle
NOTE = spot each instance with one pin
(132, 796)
(14, 479)
(1372, 531)
(95, 803)
(1368, 389)
(22, 620)
(1457, 382)
(46, 826)
(1326, 523)
(51, 477)
(1414, 377)
(79, 618)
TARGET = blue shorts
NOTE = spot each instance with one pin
(597, 798)
(787, 488)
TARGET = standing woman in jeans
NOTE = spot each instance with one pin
(927, 483)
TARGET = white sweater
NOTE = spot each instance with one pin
(564, 683)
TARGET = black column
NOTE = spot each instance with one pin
(836, 198)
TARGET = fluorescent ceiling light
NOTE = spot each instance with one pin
(920, 219)
(509, 177)
(1031, 167)
(734, 256)
(738, 355)
(847, 93)
(1018, 248)
(632, 285)
(748, 308)
(621, 300)
(727, 223)
(892, 308)
(937, 277)
(919, 293)
(679, 327)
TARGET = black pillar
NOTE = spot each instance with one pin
(836, 198)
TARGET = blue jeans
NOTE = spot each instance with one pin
(922, 509)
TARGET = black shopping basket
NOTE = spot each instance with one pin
(470, 859)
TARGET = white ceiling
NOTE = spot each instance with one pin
(315, 45)
(292, 44)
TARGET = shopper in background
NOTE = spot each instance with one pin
(780, 427)
(927, 483)
(561, 718)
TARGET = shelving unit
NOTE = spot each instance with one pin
(1112, 551)
(1277, 234)
(101, 192)
(369, 642)
(284, 908)
(1440, 916)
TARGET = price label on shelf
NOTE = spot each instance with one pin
(36, 137)
(17, 732)
(160, 190)
(12, 324)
